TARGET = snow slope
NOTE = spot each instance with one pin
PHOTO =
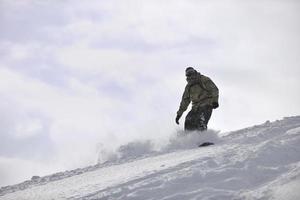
(260, 162)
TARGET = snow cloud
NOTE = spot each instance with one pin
(76, 75)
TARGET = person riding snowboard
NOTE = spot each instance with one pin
(204, 95)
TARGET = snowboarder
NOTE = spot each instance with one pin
(204, 94)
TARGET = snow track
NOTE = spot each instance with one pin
(260, 162)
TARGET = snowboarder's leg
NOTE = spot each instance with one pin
(205, 115)
(197, 119)
(190, 123)
(201, 125)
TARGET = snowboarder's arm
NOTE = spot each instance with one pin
(185, 101)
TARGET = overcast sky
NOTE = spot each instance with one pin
(79, 75)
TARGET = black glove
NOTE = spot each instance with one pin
(215, 105)
(177, 119)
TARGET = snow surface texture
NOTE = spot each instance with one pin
(260, 162)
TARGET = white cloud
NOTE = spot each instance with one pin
(29, 128)
(19, 53)
(91, 72)
(75, 116)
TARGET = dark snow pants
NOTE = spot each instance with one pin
(197, 119)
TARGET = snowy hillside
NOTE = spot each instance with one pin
(260, 162)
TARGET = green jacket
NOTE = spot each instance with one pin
(201, 92)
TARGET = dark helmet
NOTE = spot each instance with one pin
(190, 71)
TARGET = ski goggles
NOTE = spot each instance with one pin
(190, 73)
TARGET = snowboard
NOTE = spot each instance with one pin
(205, 144)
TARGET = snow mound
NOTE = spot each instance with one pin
(180, 140)
(136, 149)
(259, 162)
